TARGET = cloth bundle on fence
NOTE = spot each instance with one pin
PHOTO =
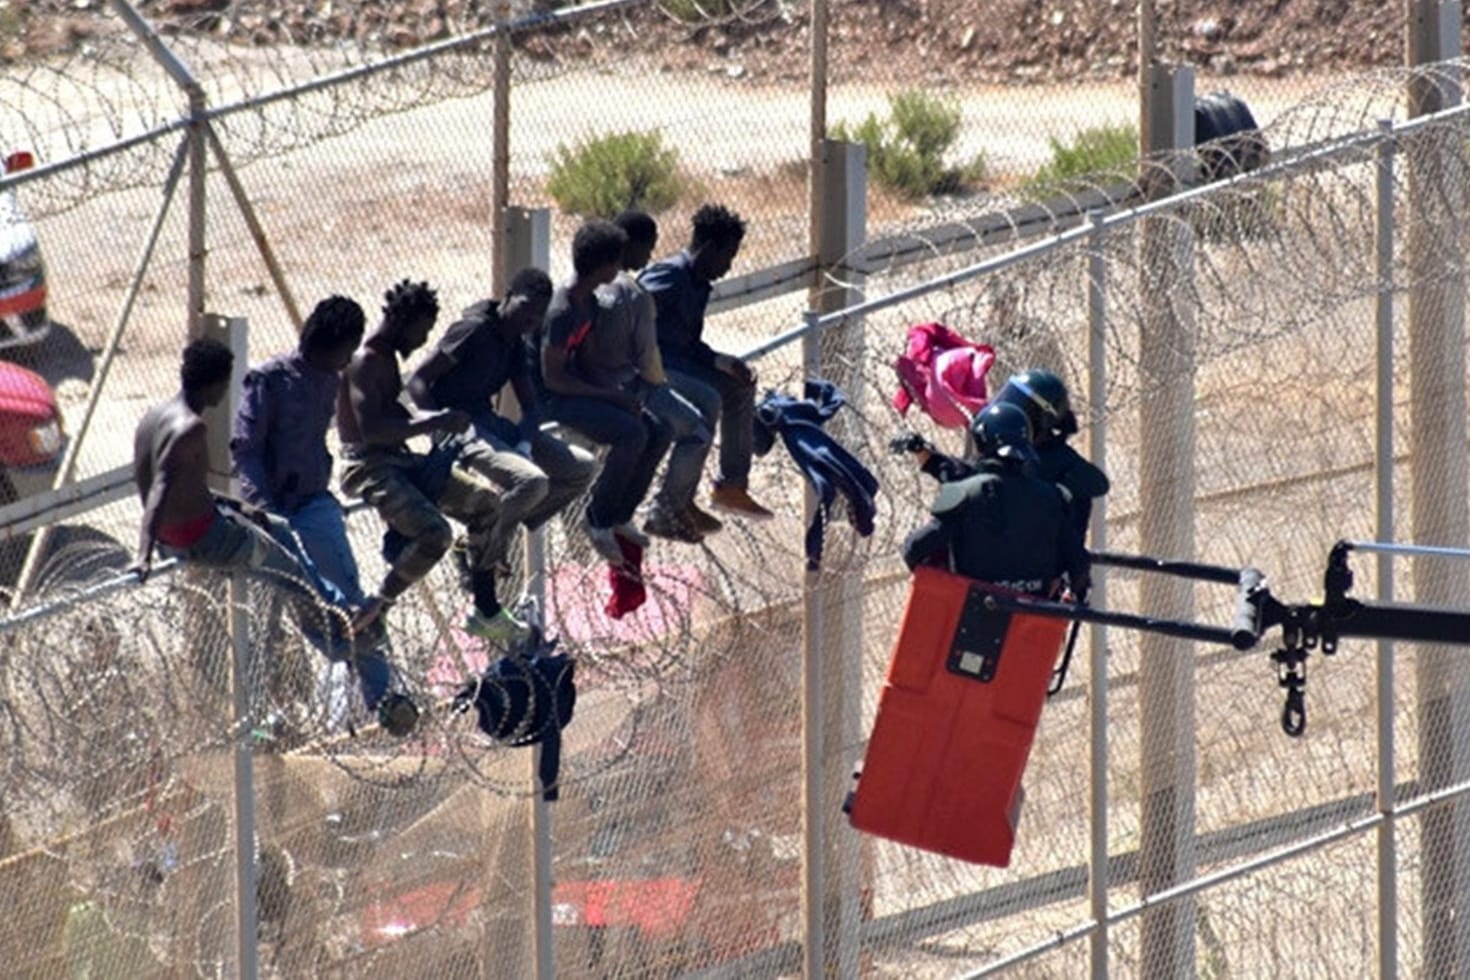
(825, 463)
(944, 374)
(526, 698)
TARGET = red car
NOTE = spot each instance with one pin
(31, 434)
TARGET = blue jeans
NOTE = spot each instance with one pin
(718, 395)
(235, 543)
(635, 444)
(686, 423)
(321, 526)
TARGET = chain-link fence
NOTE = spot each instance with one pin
(679, 841)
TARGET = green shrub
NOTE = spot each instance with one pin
(1099, 152)
(906, 151)
(602, 176)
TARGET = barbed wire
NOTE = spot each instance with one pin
(116, 723)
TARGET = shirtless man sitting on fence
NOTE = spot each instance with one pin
(411, 491)
(183, 518)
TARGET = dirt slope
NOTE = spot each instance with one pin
(908, 40)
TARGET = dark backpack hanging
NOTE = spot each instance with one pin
(526, 698)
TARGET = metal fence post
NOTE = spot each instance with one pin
(1439, 481)
(1166, 527)
(835, 355)
(526, 242)
(241, 682)
(500, 148)
(244, 681)
(813, 729)
(1383, 493)
(1097, 655)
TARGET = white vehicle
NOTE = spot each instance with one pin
(23, 319)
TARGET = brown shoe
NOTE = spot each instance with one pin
(702, 520)
(738, 501)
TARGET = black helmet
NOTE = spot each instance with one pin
(1043, 397)
(1002, 431)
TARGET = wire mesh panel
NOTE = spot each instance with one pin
(352, 147)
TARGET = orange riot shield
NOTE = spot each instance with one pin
(955, 722)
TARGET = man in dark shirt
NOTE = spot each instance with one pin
(279, 447)
(1002, 525)
(476, 358)
(623, 352)
(720, 385)
(607, 414)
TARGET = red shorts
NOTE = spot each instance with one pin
(185, 533)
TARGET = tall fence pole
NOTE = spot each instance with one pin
(1166, 528)
(1383, 495)
(244, 673)
(837, 357)
(1436, 178)
(1097, 656)
(817, 111)
(500, 149)
(525, 242)
(813, 728)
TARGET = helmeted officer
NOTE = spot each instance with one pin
(1042, 395)
(1002, 524)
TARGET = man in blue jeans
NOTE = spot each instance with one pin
(279, 447)
(607, 414)
(622, 352)
(721, 385)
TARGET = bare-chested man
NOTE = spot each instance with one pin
(413, 492)
(182, 518)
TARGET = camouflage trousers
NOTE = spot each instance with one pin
(394, 482)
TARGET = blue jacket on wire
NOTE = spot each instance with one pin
(826, 464)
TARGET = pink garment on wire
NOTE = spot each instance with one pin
(944, 374)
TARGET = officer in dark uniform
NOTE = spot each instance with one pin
(1043, 397)
(1001, 524)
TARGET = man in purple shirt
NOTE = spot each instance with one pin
(279, 447)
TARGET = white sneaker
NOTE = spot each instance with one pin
(604, 542)
(631, 534)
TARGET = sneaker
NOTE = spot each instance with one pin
(675, 527)
(629, 533)
(738, 501)
(702, 520)
(500, 628)
(604, 542)
(397, 714)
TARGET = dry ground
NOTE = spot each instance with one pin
(949, 41)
